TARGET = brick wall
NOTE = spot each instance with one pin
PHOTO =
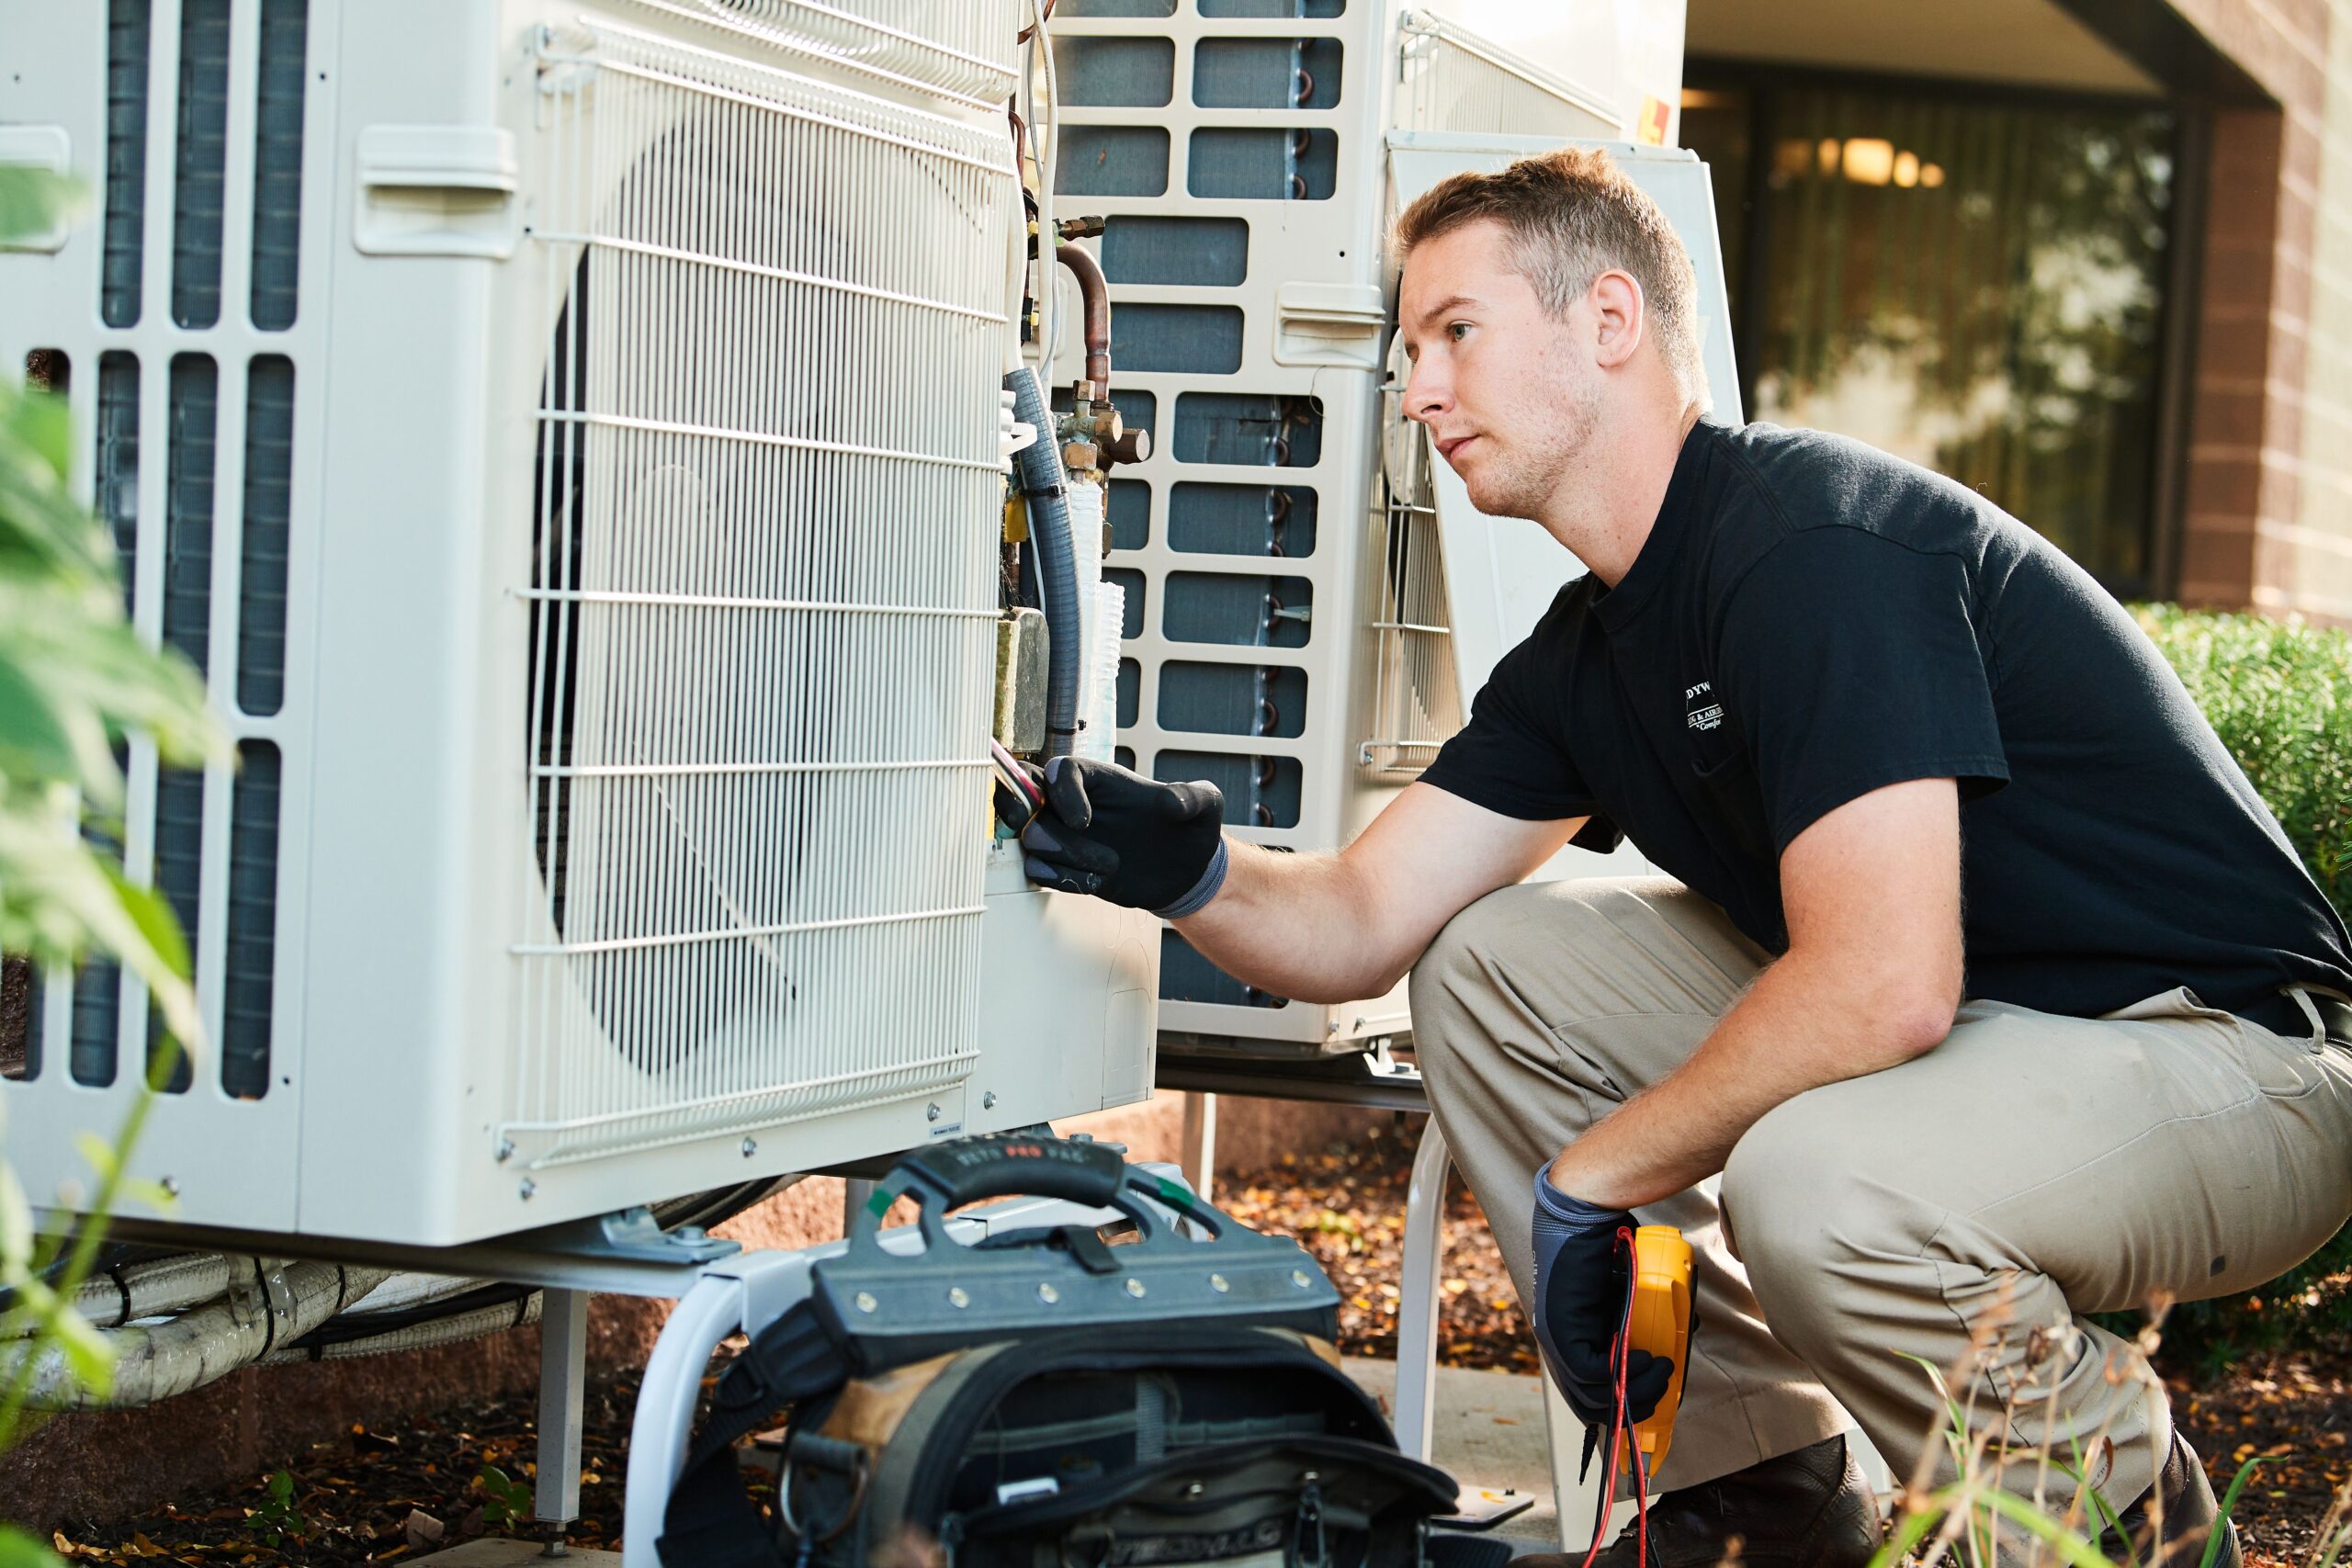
(2308, 562)
(2267, 513)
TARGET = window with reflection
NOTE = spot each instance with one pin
(1973, 281)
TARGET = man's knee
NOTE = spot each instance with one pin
(1466, 963)
(1805, 1215)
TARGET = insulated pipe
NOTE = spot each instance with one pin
(1096, 292)
(1039, 468)
(404, 1292)
(273, 1303)
(134, 1290)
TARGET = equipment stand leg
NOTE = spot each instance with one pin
(855, 1193)
(563, 1371)
(1416, 1306)
(1200, 1142)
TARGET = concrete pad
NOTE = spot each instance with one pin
(1488, 1434)
(504, 1551)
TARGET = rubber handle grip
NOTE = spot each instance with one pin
(972, 1168)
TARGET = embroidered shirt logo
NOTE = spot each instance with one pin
(1706, 712)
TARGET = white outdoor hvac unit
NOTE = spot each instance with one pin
(569, 439)
(1311, 603)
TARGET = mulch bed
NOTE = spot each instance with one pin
(392, 1494)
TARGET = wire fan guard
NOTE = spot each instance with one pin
(1450, 79)
(762, 599)
(957, 49)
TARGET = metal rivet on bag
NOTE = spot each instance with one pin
(1135, 1287)
(1218, 1283)
(1048, 1296)
(1193, 1489)
(957, 1298)
(1298, 1277)
(866, 1302)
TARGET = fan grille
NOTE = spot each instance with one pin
(762, 599)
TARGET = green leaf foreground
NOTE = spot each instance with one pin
(75, 684)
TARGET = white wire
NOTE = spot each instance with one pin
(1048, 132)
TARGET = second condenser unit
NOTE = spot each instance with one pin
(1310, 599)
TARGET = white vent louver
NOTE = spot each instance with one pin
(1417, 697)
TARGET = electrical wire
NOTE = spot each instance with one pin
(1046, 134)
(1009, 770)
(1620, 1431)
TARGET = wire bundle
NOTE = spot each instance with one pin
(1620, 1431)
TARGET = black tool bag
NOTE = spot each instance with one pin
(1042, 1399)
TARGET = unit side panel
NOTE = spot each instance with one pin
(1237, 162)
(396, 872)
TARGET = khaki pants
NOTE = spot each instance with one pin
(2044, 1166)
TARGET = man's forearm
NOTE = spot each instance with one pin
(1298, 925)
(1801, 1026)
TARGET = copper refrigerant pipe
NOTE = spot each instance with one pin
(1096, 292)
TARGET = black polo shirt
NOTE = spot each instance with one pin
(1812, 619)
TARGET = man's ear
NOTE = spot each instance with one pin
(1619, 317)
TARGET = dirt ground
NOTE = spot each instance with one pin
(380, 1496)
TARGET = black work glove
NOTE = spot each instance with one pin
(1584, 1282)
(1127, 839)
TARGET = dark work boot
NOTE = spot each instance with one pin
(1807, 1510)
(2189, 1514)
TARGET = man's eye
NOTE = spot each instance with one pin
(1455, 329)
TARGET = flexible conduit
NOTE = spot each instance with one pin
(1039, 466)
(420, 1337)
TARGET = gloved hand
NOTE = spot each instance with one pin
(1127, 839)
(1584, 1280)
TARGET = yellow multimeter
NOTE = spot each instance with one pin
(1661, 1324)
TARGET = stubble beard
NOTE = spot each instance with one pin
(1551, 444)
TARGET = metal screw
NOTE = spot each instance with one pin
(956, 1297)
(1135, 1287)
(688, 1233)
(866, 1302)
(1218, 1283)
(930, 1112)
(1048, 1296)
(1193, 1489)
(750, 1148)
(527, 1187)
(987, 1101)
(1298, 1277)
(171, 1185)
(505, 1150)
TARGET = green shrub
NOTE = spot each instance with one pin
(2279, 694)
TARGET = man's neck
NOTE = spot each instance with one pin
(1605, 511)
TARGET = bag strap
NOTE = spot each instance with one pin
(710, 1522)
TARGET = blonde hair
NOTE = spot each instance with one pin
(1568, 217)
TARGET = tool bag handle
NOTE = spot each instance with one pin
(1013, 1165)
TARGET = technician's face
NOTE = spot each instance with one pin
(1507, 389)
